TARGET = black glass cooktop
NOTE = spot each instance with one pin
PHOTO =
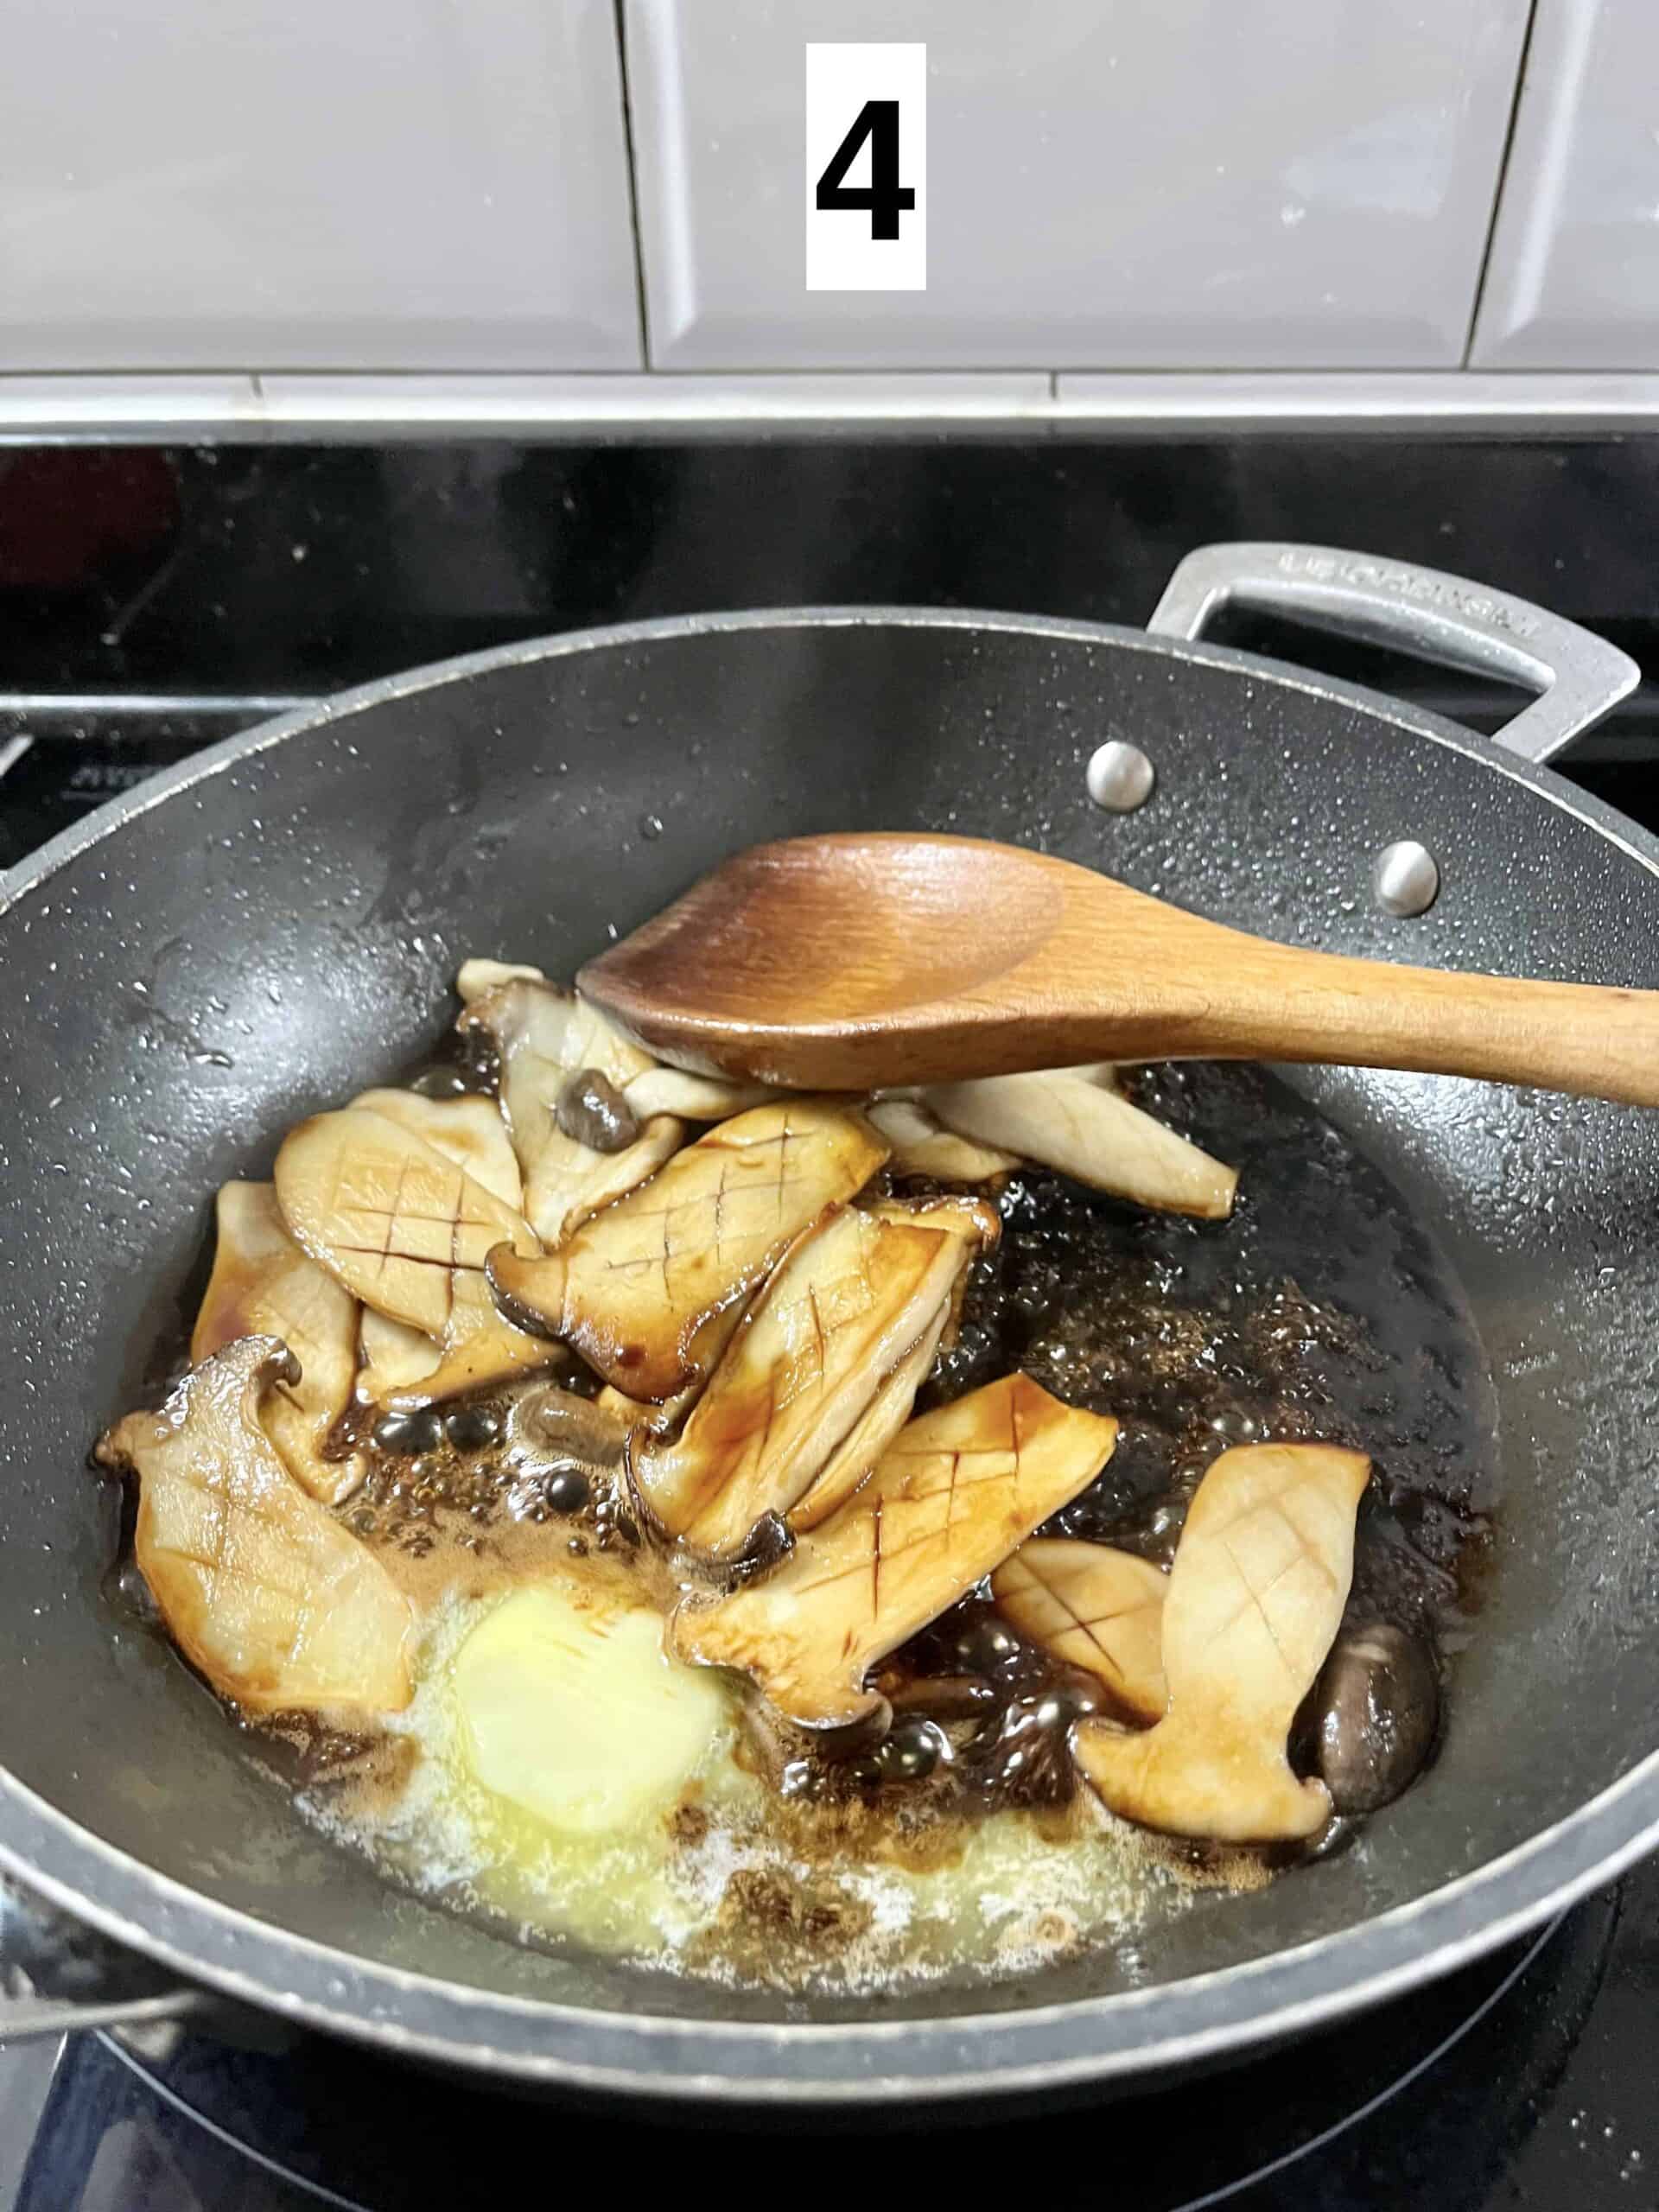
(153, 601)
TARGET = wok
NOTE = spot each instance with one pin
(275, 923)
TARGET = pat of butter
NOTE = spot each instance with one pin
(576, 1714)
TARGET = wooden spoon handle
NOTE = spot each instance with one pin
(1278, 1002)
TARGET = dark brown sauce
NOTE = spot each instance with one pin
(463, 1063)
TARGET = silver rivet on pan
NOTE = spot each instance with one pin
(1120, 777)
(1406, 878)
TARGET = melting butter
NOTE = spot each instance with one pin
(569, 1709)
(679, 1854)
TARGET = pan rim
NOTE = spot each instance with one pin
(1418, 722)
(1232, 2008)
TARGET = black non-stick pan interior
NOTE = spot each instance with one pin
(282, 928)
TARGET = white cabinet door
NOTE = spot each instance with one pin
(1573, 281)
(1111, 183)
(250, 184)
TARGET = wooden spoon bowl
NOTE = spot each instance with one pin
(856, 961)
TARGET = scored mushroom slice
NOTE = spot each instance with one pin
(1254, 1603)
(470, 1131)
(393, 1358)
(388, 1215)
(974, 1221)
(957, 1491)
(1076, 1121)
(1094, 1607)
(922, 1146)
(843, 1310)
(265, 1591)
(406, 1230)
(264, 1285)
(650, 1291)
(854, 1460)
(544, 1037)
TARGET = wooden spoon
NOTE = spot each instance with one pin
(847, 963)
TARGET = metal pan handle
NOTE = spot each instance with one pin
(1421, 611)
(57, 1974)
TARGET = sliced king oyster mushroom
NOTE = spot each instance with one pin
(406, 1230)
(974, 1221)
(391, 1357)
(617, 1403)
(1094, 1607)
(850, 1465)
(262, 1285)
(692, 1098)
(478, 978)
(843, 1310)
(650, 1291)
(922, 1146)
(665, 1419)
(1074, 1120)
(545, 1036)
(957, 1491)
(270, 1596)
(469, 1131)
(1254, 1601)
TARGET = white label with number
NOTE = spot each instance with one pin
(867, 168)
